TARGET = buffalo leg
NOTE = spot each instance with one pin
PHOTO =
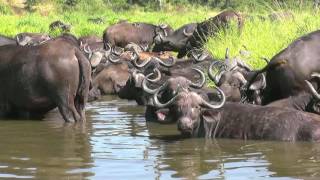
(79, 104)
(67, 109)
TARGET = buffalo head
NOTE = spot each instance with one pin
(133, 87)
(162, 30)
(185, 107)
(231, 77)
(97, 55)
(167, 90)
(176, 41)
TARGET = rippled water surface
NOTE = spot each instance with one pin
(117, 143)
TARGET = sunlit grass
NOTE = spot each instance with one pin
(263, 38)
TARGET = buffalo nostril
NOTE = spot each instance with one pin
(185, 125)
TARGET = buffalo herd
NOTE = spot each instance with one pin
(137, 61)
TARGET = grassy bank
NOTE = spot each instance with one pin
(264, 38)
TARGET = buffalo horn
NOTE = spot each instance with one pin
(157, 103)
(18, 40)
(134, 55)
(165, 32)
(173, 61)
(186, 33)
(214, 78)
(203, 79)
(160, 37)
(199, 57)
(113, 60)
(143, 48)
(146, 88)
(158, 73)
(117, 51)
(87, 49)
(144, 83)
(212, 106)
(313, 91)
(202, 57)
(108, 51)
(142, 64)
(195, 57)
(163, 26)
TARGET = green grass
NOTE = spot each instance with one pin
(262, 38)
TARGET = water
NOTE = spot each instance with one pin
(117, 143)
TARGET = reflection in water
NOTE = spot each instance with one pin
(42, 149)
(117, 143)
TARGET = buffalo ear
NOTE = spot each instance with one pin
(259, 84)
(210, 119)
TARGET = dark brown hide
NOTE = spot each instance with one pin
(141, 34)
(242, 121)
(208, 28)
(36, 79)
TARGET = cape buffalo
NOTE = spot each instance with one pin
(169, 88)
(209, 28)
(139, 33)
(133, 88)
(308, 102)
(198, 118)
(110, 79)
(176, 41)
(286, 72)
(36, 79)
(232, 75)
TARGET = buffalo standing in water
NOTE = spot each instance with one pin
(197, 117)
(36, 79)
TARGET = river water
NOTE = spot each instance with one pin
(117, 143)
